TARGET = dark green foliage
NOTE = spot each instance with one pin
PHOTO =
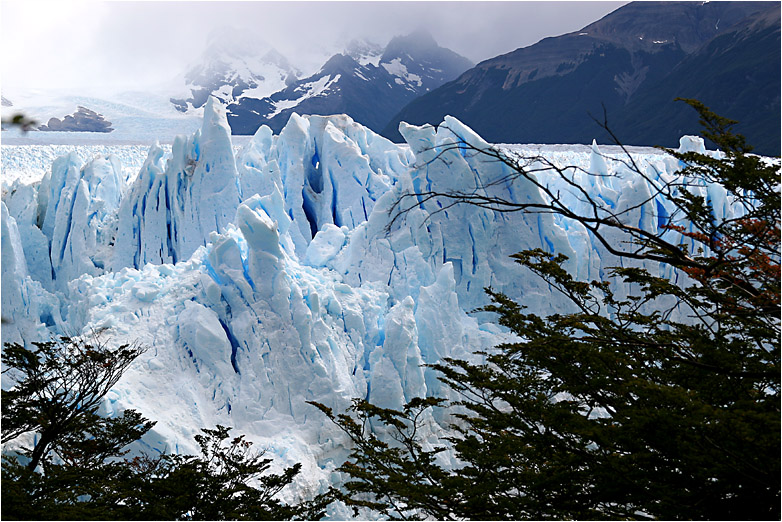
(76, 469)
(60, 387)
(86, 484)
(227, 481)
(663, 404)
(399, 472)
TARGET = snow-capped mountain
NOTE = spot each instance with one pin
(234, 65)
(266, 278)
(366, 92)
(368, 85)
(419, 64)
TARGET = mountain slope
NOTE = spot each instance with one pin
(548, 92)
(736, 73)
(367, 87)
(232, 66)
(342, 86)
(419, 64)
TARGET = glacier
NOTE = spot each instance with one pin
(263, 278)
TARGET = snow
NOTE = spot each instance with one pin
(268, 78)
(396, 68)
(233, 59)
(371, 60)
(364, 52)
(273, 274)
(307, 90)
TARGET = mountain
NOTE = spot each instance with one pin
(368, 85)
(643, 51)
(419, 64)
(234, 65)
(364, 52)
(736, 73)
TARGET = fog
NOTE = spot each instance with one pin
(97, 47)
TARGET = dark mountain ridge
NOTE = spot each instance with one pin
(737, 74)
(548, 92)
(83, 120)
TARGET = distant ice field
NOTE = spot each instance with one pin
(31, 162)
(28, 157)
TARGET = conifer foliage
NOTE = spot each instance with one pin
(78, 466)
(663, 403)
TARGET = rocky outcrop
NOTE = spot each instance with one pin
(83, 120)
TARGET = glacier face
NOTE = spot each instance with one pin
(266, 278)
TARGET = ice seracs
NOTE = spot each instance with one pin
(292, 270)
(171, 210)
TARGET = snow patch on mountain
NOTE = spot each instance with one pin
(304, 91)
(364, 52)
(235, 65)
(391, 77)
(396, 68)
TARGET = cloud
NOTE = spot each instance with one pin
(101, 45)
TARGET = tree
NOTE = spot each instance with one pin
(62, 383)
(59, 387)
(629, 407)
(83, 483)
(19, 120)
(77, 468)
(228, 481)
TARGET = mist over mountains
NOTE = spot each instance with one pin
(626, 68)
(234, 65)
(368, 82)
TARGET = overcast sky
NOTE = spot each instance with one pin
(100, 46)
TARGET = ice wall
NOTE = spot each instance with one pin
(286, 273)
